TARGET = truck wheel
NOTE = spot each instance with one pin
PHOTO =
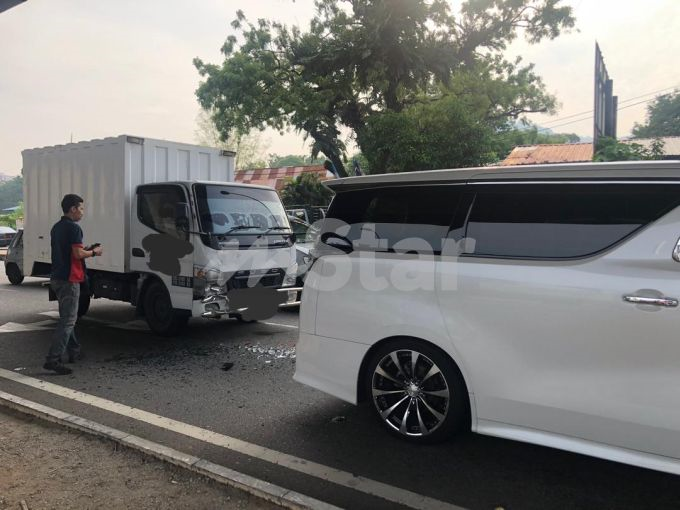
(14, 274)
(160, 316)
(83, 304)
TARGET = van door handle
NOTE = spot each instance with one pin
(661, 301)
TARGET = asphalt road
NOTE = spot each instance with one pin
(258, 403)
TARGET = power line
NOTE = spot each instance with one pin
(620, 102)
(591, 116)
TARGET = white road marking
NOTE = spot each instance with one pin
(15, 327)
(52, 313)
(336, 476)
(278, 324)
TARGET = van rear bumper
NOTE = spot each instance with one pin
(329, 365)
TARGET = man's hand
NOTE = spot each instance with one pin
(82, 253)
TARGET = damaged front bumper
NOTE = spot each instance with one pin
(215, 306)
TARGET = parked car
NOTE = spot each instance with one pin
(545, 311)
(14, 260)
(6, 235)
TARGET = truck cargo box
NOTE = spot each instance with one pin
(106, 173)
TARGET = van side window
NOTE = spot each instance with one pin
(156, 209)
(401, 219)
(557, 221)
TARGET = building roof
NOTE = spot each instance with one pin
(549, 153)
(617, 170)
(671, 144)
(278, 177)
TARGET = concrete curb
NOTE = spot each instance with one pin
(259, 488)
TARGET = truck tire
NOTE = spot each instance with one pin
(160, 316)
(14, 274)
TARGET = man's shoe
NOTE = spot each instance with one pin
(75, 356)
(57, 367)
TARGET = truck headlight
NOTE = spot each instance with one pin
(289, 280)
(291, 276)
(207, 274)
(206, 282)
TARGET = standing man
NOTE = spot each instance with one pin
(68, 272)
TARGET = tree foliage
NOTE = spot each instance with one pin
(10, 220)
(663, 118)
(11, 192)
(610, 149)
(248, 147)
(306, 189)
(276, 161)
(361, 60)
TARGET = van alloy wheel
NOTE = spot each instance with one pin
(410, 393)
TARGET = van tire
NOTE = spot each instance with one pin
(14, 274)
(435, 372)
(160, 316)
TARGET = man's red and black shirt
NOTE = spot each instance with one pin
(66, 234)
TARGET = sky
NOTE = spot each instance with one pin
(86, 69)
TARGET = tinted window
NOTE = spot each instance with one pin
(402, 219)
(562, 221)
(157, 209)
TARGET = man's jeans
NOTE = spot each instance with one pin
(68, 295)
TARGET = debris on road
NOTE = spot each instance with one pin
(19, 369)
(227, 365)
(271, 353)
(338, 419)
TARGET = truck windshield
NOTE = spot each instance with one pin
(240, 211)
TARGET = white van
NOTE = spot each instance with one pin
(538, 304)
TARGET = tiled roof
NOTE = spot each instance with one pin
(549, 153)
(277, 177)
(671, 144)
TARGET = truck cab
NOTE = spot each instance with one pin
(208, 243)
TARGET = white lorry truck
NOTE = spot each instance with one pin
(180, 238)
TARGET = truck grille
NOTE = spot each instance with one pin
(262, 278)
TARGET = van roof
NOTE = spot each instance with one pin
(629, 170)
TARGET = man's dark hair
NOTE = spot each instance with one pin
(69, 201)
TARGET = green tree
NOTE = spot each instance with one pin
(426, 136)
(276, 161)
(10, 220)
(663, 118)
(610, 149)
(11, 192)
(306, 189)
(248, 147)
(362, 59)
